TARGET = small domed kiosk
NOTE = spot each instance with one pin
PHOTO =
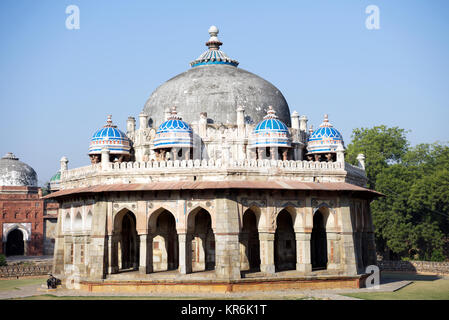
(271, 137)
(323, 142)
(112, 139)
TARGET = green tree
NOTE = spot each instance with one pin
(413, 219)
(381, 146)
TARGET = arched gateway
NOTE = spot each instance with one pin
(246, 200)
(15, 245)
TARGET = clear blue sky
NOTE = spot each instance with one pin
(58, 85)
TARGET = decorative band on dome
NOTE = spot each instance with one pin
(325, 139)
(270, 132)
(111, 138)
(173, 133)
(214, 55)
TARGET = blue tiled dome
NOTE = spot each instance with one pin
(111, 138)
(325, 139)
(270, 132)
(173, 133)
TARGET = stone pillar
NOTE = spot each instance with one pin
(227, 257)
(303, 123)
(202, 125)
(348, 249)
(130, 125)
(333, 252)
(58, 255)
(111, 248)
(114, 260)
(64, 161)
(295, 120)
(361, 160)
(143, 259)
(261, 153)
(371, 244)
(185, 253)
(273, 153)
(143, 121)
(244, 249)
(105, 159)
(303, 258)
(358, 239)
(266, 252)
(340, 154)
(284, 154)
(240, 122)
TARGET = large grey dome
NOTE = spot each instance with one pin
(16, 173)
(215, 85)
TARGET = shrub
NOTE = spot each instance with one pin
(3, 260)
(437, 255)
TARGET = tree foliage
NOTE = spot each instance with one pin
(412, 221)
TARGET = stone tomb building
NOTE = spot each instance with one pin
(218, 183)
(27, 222)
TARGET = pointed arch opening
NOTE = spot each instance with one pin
(88, 225)
(165, 242)
(202, 240)
(284, 242)
(67, 222)
(318, 241)
(78, 222)
(127, 248)
(249, 242)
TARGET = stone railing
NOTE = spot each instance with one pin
(21, 271)
(415, 266)
(157, 166)
(80, 172)
(355, 170)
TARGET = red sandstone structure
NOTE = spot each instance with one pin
(26, 220)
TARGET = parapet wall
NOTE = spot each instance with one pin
(415, 266)
(22, 271)
(214, 169)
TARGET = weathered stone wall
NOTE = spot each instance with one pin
(21, 271)
(414, 266)
(49, 236)
(226, 209)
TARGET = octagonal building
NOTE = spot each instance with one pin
(219, 186)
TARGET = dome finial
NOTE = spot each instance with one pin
(109, 122)
(213, 43)
(174, 114)
(271, 114)
(326, 122)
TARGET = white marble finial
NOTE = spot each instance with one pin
(213, 43)
(213, 31)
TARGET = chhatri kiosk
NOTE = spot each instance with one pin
(219, 188)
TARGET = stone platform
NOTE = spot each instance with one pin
(203, 282)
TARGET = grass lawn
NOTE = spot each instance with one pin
(16, 283)
(422, 288)
(53, 297)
